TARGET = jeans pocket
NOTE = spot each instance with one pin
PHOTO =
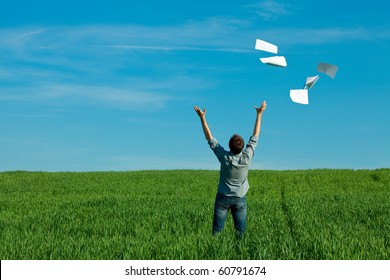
(222, 201)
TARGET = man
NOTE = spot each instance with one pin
(233, 177)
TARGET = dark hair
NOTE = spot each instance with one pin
(236, 144)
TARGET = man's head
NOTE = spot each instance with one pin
(236, 144)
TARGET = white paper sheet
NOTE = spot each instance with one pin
(328, 69)
(299, 96)
(310, 81)
(265, 46)
(275, 60)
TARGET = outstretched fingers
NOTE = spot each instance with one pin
(199, 111)
(262, 107)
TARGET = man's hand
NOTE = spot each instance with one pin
(256, 130)
(262, 108)
(205, 127)
(200, 113)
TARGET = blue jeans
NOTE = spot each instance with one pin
(237, 206)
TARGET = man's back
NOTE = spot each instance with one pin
(233, 180)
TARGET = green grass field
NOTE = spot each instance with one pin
(308, 214)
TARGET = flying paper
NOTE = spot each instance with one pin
(275, 60)
(310, 81)
(327, 69)
(265, 46)
(299, 96)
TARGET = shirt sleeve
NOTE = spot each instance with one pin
(218, 150)
(251, 146)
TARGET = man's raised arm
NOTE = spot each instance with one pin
(259, 111)
(205, 127)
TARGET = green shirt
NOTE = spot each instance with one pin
(233, 176)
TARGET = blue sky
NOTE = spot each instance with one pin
(111, 85)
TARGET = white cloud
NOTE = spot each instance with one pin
(125, 97)
(324, 35)
(270, 9)
(69, 62)
(211, 34)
